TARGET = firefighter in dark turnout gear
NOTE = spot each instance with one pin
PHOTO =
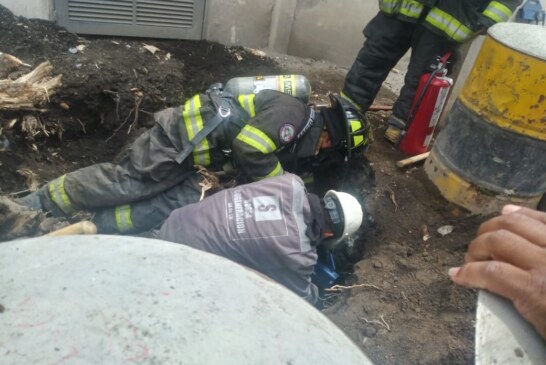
(157, 175)
(273, 226)
(430, 28)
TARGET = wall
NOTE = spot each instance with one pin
(239, 22)
(330, 30)
(42, 9)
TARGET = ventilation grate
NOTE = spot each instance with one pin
(120, 11)
(174, 13)
(182, 19)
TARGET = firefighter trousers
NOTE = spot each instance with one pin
(135, 195)
(387, 41)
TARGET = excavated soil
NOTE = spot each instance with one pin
(407, 313)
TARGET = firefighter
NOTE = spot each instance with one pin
(430, 28)
(255, 133)
(273, 226)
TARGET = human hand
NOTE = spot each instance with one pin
(508, 258)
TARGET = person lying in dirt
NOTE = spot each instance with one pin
(273, 226)
(262, 135)
(508, 257)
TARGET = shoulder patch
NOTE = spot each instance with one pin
(287, 132)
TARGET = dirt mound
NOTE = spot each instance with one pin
(110, 87)
(407, 311)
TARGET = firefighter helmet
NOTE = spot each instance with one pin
(357, 128)
(344, 212)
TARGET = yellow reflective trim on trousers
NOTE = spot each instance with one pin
(498, 12)
(359, 138)
(256, 139)
(123, 218)
(59, 196)
(277, 171)
(193, 122)
(247, 103)
(449, 25)
(388, 6)
(411, 9)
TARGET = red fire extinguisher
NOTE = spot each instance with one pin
(427, 106)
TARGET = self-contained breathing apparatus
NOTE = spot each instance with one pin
(348, 130)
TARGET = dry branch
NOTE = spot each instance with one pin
(341, 288)
(9, 64)
(29, 91)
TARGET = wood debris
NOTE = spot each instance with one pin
(150, 48)
(9, 64)
(425, 233)
(341, 288)
(29, 91)
(393, 198)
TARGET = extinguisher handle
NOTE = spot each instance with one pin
(445, 57)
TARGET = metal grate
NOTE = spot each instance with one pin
(174, 13)
(120, 11)
(143, 18)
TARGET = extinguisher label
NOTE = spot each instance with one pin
(427, 140)
(439, 106)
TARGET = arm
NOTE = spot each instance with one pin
(508, 257)
(254, 151)
(278, 118)
(498, 12)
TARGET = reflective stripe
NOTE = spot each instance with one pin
(256, 139)
(411, 9)
(247, 102)
(388, 6)
(123, 218)
(309, 179)
(59, 196)
(193, 122)
(277, 171)
(498, 12)
(355, 126)
(298, 192)
(449, 25)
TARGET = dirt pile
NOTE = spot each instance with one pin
(406, 313)
(110, 87)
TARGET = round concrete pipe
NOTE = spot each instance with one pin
(491, 150)
(115, 299)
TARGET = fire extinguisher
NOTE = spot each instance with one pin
(427, 106)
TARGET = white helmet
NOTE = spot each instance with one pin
(345, 213)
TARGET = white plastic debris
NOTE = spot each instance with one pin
(445, 230)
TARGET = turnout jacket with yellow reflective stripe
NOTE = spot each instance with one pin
(253, 146)
(458, 20)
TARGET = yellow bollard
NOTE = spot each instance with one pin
(492, 150)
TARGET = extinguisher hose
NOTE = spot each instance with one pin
(434, 72)
(420, 98)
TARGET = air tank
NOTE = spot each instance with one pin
(295, 85)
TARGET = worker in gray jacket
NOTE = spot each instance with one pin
(273, 226)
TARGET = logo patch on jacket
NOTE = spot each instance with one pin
(287, 133)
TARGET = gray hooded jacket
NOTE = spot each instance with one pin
(268, 226)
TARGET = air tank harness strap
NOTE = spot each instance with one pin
(224, 113)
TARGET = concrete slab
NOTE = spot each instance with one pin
(115, 299)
